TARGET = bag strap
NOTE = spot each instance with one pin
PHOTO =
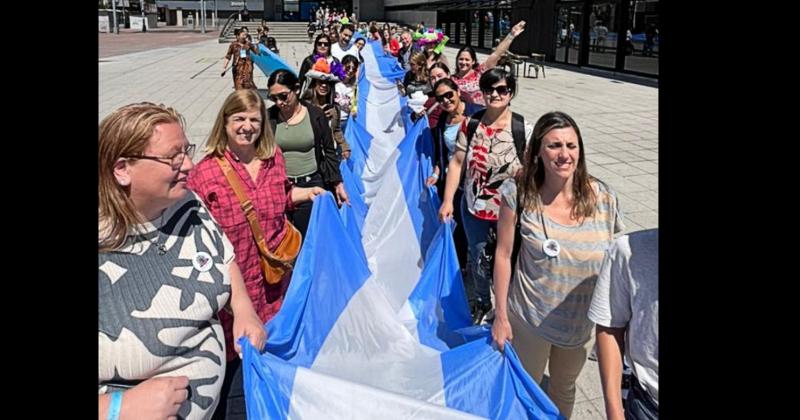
(247, 206)
(472, 125)
(517, 233)
(518, 133)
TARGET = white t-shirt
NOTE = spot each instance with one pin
(343, 97)
(630, 269)
(339, 53)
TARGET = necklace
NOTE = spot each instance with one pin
(459, 113)
(161, 246)
(294, 114)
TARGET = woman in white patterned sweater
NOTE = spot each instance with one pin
(165, 271)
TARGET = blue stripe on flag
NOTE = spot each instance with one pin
(324, 279)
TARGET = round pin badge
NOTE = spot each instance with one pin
(551, 248)
(202, 261)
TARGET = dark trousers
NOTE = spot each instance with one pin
(639, 405)
(231, 397)
(459, 238)
(302, 212)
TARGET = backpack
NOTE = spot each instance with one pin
(486, 257)
(517, 131)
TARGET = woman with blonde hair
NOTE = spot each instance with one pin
(165, 272)
(416, 83)
(242, 144)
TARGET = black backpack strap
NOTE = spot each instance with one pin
(472, 126)
(518, 132)
(439, 149)
(517, 234)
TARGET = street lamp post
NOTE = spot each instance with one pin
(203, 12)
(144, 18)
(114, 11)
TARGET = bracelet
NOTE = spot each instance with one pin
(114, 406)
(435, 175)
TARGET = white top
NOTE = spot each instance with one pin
(339, 53)
(630, 271)
(343, 97)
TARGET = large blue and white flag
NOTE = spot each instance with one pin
(375, 322)
(268, 61)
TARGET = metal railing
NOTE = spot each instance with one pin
(228, 23)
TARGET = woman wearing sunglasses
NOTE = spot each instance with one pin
(304, 136)
(319, 92)
(453, 113)
(491, 158)
(322, 49)
(445, 132)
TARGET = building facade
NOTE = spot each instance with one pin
(615, 35)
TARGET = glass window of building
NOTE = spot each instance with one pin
(642, 37)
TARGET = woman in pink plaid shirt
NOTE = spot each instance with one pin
(241, 137)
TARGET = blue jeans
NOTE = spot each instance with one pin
(479, 282)
(639, 405)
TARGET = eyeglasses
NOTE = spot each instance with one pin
(502, 90)
(447, 95)
(175, 161)
(323, 44)
(283, 96)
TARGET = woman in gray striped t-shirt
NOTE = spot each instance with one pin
(569, 219)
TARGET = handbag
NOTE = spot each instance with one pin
(273, 265)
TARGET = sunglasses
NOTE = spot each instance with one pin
(323, 44)
(283, 96)
(501, 90)
(447, 95)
